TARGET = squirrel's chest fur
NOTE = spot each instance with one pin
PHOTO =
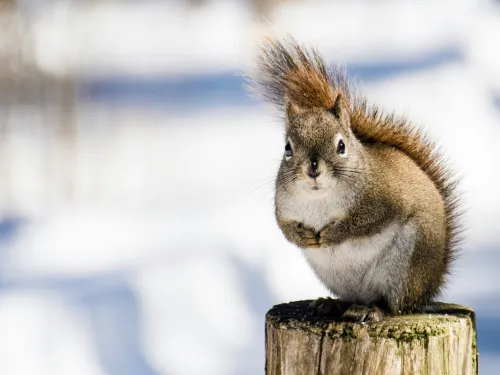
(313, 212)
(362, 269)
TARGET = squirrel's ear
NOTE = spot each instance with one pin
(291, 108)
(340, 109)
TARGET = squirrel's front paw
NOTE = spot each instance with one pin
(306, 236)
(328, 236)
(299, 234)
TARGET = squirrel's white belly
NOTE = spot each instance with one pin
(361, 269)
(366, 269)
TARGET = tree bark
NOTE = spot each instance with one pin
(441, 341)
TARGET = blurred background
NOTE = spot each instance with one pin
(137, 233)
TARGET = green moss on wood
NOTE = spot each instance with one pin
(402, 327)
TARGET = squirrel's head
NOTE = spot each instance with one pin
(320, 152)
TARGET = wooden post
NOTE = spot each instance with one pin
(440, 342)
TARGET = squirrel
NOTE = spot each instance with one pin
(367, 197)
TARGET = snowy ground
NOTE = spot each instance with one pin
(169, 258)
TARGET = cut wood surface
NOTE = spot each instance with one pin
(442, 341)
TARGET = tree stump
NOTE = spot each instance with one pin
(439, 342)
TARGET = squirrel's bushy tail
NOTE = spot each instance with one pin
(286, 69)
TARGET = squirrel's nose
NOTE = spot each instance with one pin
(313, 170)
(314, 164)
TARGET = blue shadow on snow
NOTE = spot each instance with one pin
(113, 310)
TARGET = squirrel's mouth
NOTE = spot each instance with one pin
(314, 189)
(315, 186)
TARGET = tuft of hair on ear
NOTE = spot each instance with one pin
(289, 73)
(340, 108)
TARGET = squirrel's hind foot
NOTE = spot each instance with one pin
(363, 314)
(328, 307)
(344, 310)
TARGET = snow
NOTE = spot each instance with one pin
(146, 38)
(40, 335)
(167, 257)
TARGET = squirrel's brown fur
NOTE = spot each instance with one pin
(287, 70)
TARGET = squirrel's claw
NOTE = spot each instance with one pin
(313, 245)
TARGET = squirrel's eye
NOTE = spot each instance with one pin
(288, 150)
(341, 147)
